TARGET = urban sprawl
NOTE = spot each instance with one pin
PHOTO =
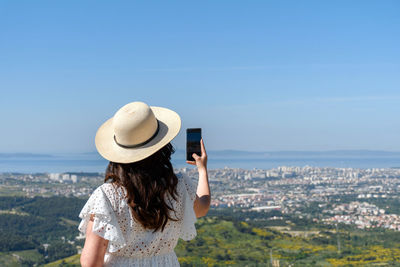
(339, 195)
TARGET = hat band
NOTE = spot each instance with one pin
(140, 144)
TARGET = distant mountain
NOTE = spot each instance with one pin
(24, 155)
(239, 154)
(229, 154)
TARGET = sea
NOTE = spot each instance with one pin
(92, 162)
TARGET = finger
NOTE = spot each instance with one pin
(195, 156)
(203, 149)
(191, 162)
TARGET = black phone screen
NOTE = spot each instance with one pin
(193, 136)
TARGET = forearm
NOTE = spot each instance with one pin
(203, 188)
(202, 202)
(203, 191)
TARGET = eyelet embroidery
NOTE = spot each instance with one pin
(113, 221)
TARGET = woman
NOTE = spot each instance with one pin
(137, 216)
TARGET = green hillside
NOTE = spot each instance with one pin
(20, 258)
(226, 237)
(69, 261)
(237, 243)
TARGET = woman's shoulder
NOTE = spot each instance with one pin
(108, 189)
(107, 186)
(182, 176)
(182, 180)
(187, 184)
(112, 191)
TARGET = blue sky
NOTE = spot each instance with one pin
(255, 75)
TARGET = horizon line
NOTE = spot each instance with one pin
(217, 150)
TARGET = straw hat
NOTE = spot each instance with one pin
(136, 132)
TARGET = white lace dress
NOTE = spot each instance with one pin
(129, 243)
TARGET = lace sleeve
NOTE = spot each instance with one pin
(188, 231)
(105, 221)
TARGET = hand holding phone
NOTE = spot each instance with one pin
(202, 202)
(193, 137)
(195, 150)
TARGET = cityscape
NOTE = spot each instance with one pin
(359, 197)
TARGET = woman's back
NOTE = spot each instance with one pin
(130, 243)
(138, 215)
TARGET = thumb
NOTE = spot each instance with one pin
(195, 156)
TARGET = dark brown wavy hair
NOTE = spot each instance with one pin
(148, 183)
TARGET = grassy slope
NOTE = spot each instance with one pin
(70, 261)
(221, 242)
(228, 243)
(14, 258)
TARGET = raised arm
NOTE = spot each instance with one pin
(203, 196)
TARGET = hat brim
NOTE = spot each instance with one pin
(169, 127)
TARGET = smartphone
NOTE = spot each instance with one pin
(193, 136)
